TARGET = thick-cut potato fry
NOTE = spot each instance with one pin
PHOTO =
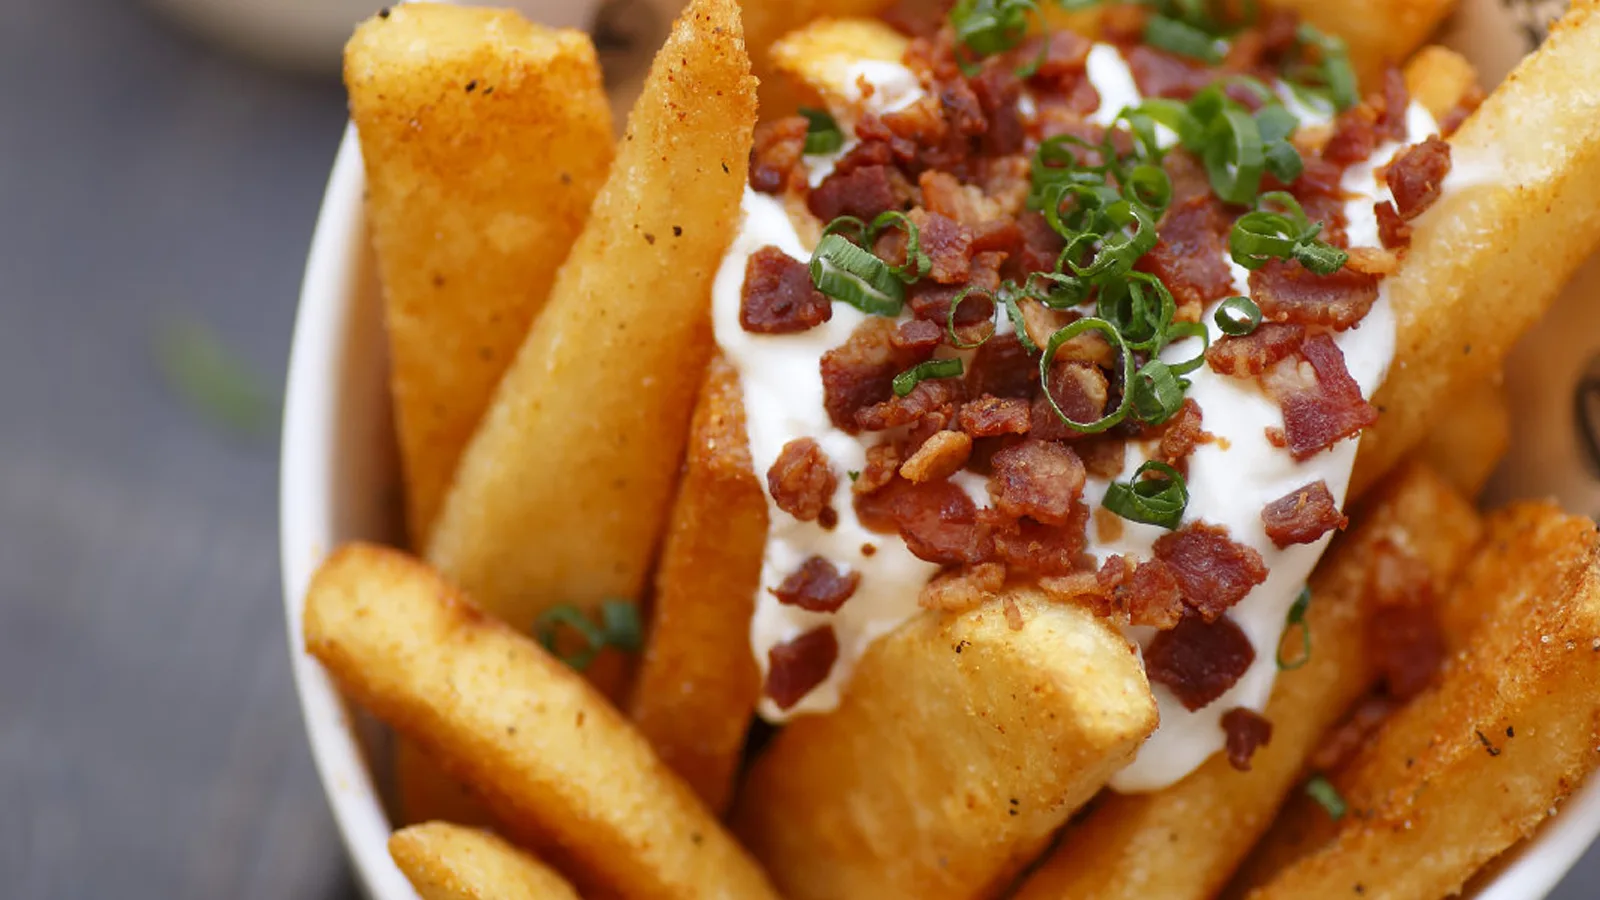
(822, 58)
(1378, 32)
(1466, 446)
(485, 138)
(1184, 841)
(698, 685)
(1520, 211)
(425, 791)
(1439, 78)
(766, 21)
(1514, 711)
(444, 861)
(960, 746)
(550, 757)
(561, 495)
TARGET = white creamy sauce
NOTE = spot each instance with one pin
(1230, 479)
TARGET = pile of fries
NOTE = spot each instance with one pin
(570, 438)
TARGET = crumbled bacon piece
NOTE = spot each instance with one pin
(998, 88)
(1321, 194)
(1154, 596)
(939, 457)
(1344, 740)
(1104, 456)
(778, 297)
(1256, 352)
(795, 667)
(1355, 136)
(1190, 257)
(1246, 730)
(945, 195)
(1391, 122)
(1002, 368)
(1181, 433)
(1325, 411)
(957, 590)
(1289, 292)
(801, 480)
(1066, 56)
(1031, 547)
(1393, 231)
(948, 245)
(1080, 390)
(1038, 479)
(937, 520)
(1372, 261)
(917, 335)
(817, 586)
(862, 192)
(1214, 571)
(1199, 660)
(990, 416)
(776, 154)
(883, 462)
(1161, 74)
(1302, 515)
(860, 372)
(1416, 176)
(1040, 244)
(931, 401)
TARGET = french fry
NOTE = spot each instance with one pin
(1147, 845)
(548, 755)
(450, 862)
(960, 746)
(696, 691)
(1378, 32)
(485, 138)
(1466, 446)
(1478, 761)
(425, 791)
(820, 58)
(767, 21)
(561, 495)
(1488, 259)
(1440, 78)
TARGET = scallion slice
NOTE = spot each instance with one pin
(1327, 796)
(1181, 38)
(1156, 393)
(1238, 316)
(950, 319)
(1233, 156)
(1088, 323)
(1177, 332)
(619, 627)
(842, 271)
(822, 131)
(907, 381)
(1158, 500)
(917, 262)
(1297, 619)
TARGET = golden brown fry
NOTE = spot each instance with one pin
(1477, 762)
(819, 58)
(1440, 78)
(485, 138)
(426, 792)
(1521, 210)
(961, 745)
(551, 758)
(1378, 32)
(766, 21)
(1466, 446)
(444, 861)
(1184, 841)
(696, 690)
(561, 495)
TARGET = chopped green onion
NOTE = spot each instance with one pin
(1181, 330)
(619, 628)
(1009, 298)
(1119, 251)
(212, 379)
(1155, 393)
(1233, 156)
(1148, 185)
(1142, 318)
(1327, 796)
(822, 131)
(917, 262)
(1297, 618)
(1276, 124)
(1181, 38)
(1153, 501)
(842, 271)
(1333, 71)
(987, 27)
(1088, 323)
(1260, 236)
(907, 381)
(1065, 291)
(1238, 316)
(950, 319)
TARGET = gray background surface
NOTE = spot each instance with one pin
(149, 740)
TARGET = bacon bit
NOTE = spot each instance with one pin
(1324, 412)
(1080, 390)
(1160, 74)
(943, 194)
(917, 335)
(1466, 106)
(860, 372)
(776, 154)
(1372, 261)
(1355, 136)
(931, 402)
(1103, 456)
(1246, 730)
(1321, 194)
(1037, 479)
(1189, 179)
(1302, 515)
(1108, 525)
(1153, 596)
(1002, 368)
(1289, 292)
(1254, 353)
(1345, 740)
(958, 590)
(998, 235)
(1040, 244)
(1013, 614)
(1416, 176)
(1393, 231)
(1391, 123)
(990, 416)
(930, 301)
(1214, 572)
(1083, 588)
(1040, 322)
(938, 458)
(795, 667)
(937, 520)
(883, 461)
(862, 192)
(1029, 547)
(817, 586)
(1199, 660)
(948, 245)
(1190, 257)
(998, 89)
(1181, 434)
(778, 297)
(801, 480)
(1066, 57)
